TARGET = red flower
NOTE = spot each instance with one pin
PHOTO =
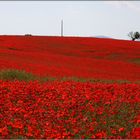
(100, 135)
(136, 133)
(121, 129)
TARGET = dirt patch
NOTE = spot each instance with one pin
(136, 61)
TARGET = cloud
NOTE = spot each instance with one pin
(133, 5)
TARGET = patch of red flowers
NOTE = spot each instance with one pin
(69, 110)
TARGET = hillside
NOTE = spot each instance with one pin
(72, 57)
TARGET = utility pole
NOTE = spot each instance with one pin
(61, 27)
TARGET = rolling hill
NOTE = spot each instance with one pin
(85, 57)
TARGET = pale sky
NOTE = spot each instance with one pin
(81, 18)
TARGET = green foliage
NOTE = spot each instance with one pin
(78, 79)
(45, 79)
(13, 74)
(21, 75)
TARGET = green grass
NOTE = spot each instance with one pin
(94, 80)
(21, 75)
(13, 74)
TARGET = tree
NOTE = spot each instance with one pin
(134, 35)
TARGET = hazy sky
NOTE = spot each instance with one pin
(81, 18)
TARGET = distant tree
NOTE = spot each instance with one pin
(134, 35)
(28, 35)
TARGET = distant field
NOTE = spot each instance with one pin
(80, 57)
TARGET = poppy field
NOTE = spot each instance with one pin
(80, 57)
(69, 108)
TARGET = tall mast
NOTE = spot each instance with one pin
(61, 27)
